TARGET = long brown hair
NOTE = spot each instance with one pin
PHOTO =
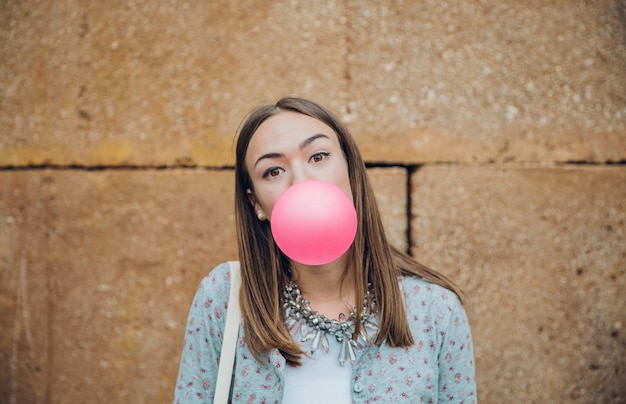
(372, 260)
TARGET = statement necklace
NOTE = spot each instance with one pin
(308, 325)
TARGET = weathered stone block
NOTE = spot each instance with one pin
(542, 256)
(103, 84)
(140, 242)
(122, 253)
(156, 83)
(390, 186)
(483, 81)
(25, 318)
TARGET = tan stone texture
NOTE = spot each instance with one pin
(155, 83)
(166, 83)
(117, 123)
(390, 187)
(489, 81)
(541, 252)
(24, 296)
(98, 271)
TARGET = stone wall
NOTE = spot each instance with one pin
(495, 133)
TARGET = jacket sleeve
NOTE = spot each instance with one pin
(203, 339)
(457, 381)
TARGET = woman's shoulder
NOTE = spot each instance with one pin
(217, 282)
(419, 290)
(430, 306)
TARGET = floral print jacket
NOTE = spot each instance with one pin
(438, 368)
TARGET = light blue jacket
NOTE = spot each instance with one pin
(438, 368)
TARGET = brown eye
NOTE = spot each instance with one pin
(319, 157)
(272, 172)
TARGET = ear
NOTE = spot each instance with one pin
(258, 209)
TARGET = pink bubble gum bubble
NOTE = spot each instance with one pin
(314, 222)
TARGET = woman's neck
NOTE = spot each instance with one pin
(321, 285)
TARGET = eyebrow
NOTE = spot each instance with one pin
(302, 145)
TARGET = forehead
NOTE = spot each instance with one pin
(286, 128)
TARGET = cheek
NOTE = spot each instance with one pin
(268, 211)
(343, 180)
(267, 199)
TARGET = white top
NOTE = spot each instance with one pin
(320, 378)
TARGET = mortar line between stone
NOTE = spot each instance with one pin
(78, 167)
(370, 164)
(410, 170)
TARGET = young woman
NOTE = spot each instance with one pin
(371, 326)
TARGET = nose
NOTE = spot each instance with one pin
(298, 175)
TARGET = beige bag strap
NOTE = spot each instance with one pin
(231, 335)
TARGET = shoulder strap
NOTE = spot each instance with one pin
(231, 333)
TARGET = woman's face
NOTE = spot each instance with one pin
(288, 148)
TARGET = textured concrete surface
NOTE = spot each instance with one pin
(155, 83)
(489, 81)
(117, 124)
(97, 271)
(542, 255)
(165, 83)
(390, 187)
(24, 294)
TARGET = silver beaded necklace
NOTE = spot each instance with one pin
(307, 325)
